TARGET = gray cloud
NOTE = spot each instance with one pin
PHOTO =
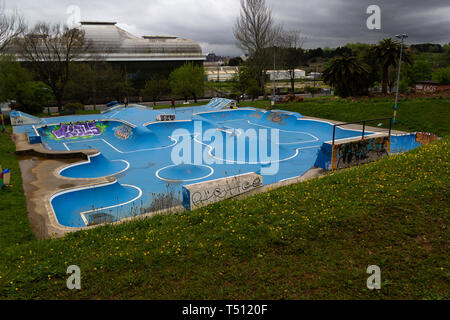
(323, 22)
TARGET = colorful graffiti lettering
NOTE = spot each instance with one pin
(345, 155)
(75, 130)
(277, 117)
(425, 137)
(123, 132)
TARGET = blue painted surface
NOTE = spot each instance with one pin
(97, 166)
(68, 206)
(403, 143)
(34, 139)
(149, 148)
(184, 171)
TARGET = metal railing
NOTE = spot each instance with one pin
(364, 126)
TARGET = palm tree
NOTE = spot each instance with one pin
(347, 75)
(388, 51)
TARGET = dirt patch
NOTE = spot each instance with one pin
(41, 181)
(67, 185)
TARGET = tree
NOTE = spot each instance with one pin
(442, 75)
(188, 80)
(11, 26)
(444, 59)
(93, 79)
(244, 80)
(16, 83)
(81, 83)
(313, 54)
(12, 77)
(347, 75)
(255, 33)
(291, 54)
(254, 90)
(421, 70)
(234, 62)
(388, 52)
(369, 59)
(155, 88)
(32, 97)
(358, 48)
(50, 49)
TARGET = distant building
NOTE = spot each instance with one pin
(284, 74)
(431, 86)
(313, 75)
(140, 57)
(227, 73)
(220, 73)
(212, 57)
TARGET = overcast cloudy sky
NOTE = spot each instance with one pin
(323, 22)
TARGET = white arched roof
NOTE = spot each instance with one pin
(116, 44)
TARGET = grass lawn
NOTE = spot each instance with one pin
(77, 112)
(14, 224)
(425, 114)
(168, 106)
(306, 241)
(309, 240)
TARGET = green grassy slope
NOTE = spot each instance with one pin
(426, 114)
(14, 224)
(310, 240)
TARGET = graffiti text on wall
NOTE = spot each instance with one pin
(425, 137)
(79, 129)
(123, 132)
(278, 117)
(352, 153)
(207, 192)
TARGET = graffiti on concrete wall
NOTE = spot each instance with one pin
(123, 132)
(425, 137)
(204, 193)
(278, 117)
(20, 118)
(85, 129)
(352, 153)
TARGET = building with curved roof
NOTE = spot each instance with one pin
(137, 59)
(116, 44)
(140, 58)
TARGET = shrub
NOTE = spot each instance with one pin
(74, 106)
(254, 91)
(442, 75)
(32, 96)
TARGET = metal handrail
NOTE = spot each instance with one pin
(364, 126)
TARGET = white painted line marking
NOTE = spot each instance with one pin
(182, 180)
(114, 206)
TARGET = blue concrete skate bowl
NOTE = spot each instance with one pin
(142, 155)
(184, 172)
(97, 166)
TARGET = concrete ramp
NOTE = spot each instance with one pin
(351, 152)
(19, 118)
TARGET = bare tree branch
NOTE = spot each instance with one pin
(255, 32)
(11, 26)
(51, 49)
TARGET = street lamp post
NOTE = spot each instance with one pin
(401, 37)
(273, 73)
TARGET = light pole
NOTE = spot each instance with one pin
(314, 81)
(273, 73)
(401, 37)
